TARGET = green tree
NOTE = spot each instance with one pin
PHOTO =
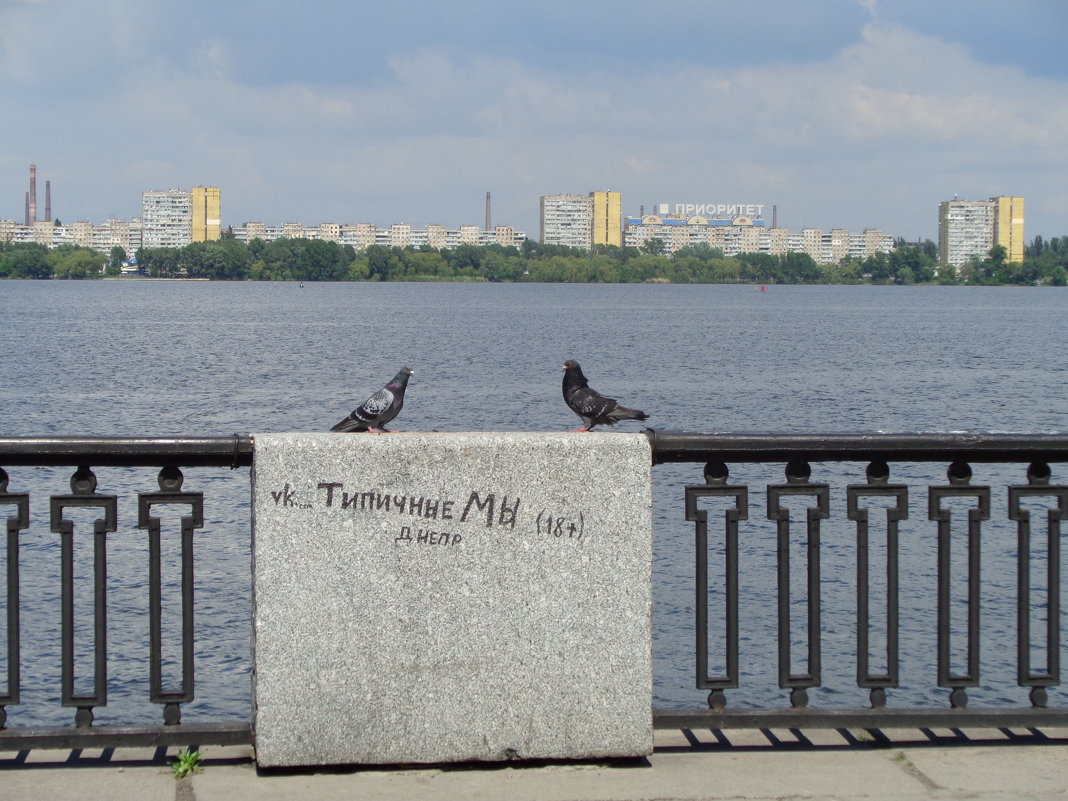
(654, 246)
(25, 260)
(378, 262)
(115, 260)
(78, 263)
(947, 275)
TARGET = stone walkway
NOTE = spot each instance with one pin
(688, 766)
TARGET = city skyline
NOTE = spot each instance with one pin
(202, 210)
(841, 113)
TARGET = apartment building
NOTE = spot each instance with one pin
(968, 229)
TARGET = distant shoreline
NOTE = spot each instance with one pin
(145, 278)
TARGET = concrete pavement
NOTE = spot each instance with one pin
(687, 766)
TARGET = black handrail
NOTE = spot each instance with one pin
(233, 451)
(668, 446)
(680, 446)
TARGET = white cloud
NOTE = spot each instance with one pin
(908, 111)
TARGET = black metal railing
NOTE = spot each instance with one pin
(798, 452)
(85, 453)
(799, 669)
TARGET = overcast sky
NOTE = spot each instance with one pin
(843, 113)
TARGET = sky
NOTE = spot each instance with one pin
(840, 113)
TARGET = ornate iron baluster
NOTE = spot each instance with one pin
(797, 483)
(716, 474)
(20, 522)
(1038, 475)
(84, 495)
(877, 486)
(170, 484)
(959, 474)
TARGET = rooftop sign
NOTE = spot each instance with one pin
(712, 209)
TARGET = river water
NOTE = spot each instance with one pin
(158, 358)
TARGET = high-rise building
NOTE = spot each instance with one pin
(567, 220)
(1009, 226)
(205, 213)
(582, 221)
(967, 229)
(166, 218)
(607, 219)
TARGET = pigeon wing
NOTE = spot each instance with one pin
(590, 404)
(369, 413)
(375, 406)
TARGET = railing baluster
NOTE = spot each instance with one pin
(877, 486)
(83, 488)
(1038, 475)
(20, 522)
(959, 474)
(797, 483)
(716, 474)
(170, 484)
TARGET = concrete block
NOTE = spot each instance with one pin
(423, 598)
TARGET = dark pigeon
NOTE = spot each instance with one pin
(373, 414)
(589, 404)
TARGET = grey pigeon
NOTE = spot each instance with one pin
(373, 414)
(589, 404)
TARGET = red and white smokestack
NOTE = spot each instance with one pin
(32, 214)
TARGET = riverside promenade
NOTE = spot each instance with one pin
(687, 766)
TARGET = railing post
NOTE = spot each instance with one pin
(1038, 475)
(83, 489)
(20, 522)
(878, 486)
(959, 474)
(170, 484)
(716, 474)
(797, 483)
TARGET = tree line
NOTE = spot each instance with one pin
(1046, 262)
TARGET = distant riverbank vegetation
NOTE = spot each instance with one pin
(1045, 262)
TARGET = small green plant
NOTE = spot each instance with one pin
(186, 763)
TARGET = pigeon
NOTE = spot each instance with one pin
(589, 404)
(373, 414)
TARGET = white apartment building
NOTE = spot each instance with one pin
(965, 230)
(121, 233)
(166, 218)
(567, 220)
(746, 235)
(968, 229)
(400, 235)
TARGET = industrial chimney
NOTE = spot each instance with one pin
(32, 212)
(48, 201)
(487, 211)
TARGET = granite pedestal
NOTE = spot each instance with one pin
(451, 597)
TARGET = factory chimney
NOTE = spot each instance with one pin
(774, 216)
(48, 201)
(487, 211)
(32, 212)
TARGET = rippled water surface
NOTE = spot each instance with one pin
(158, 358)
